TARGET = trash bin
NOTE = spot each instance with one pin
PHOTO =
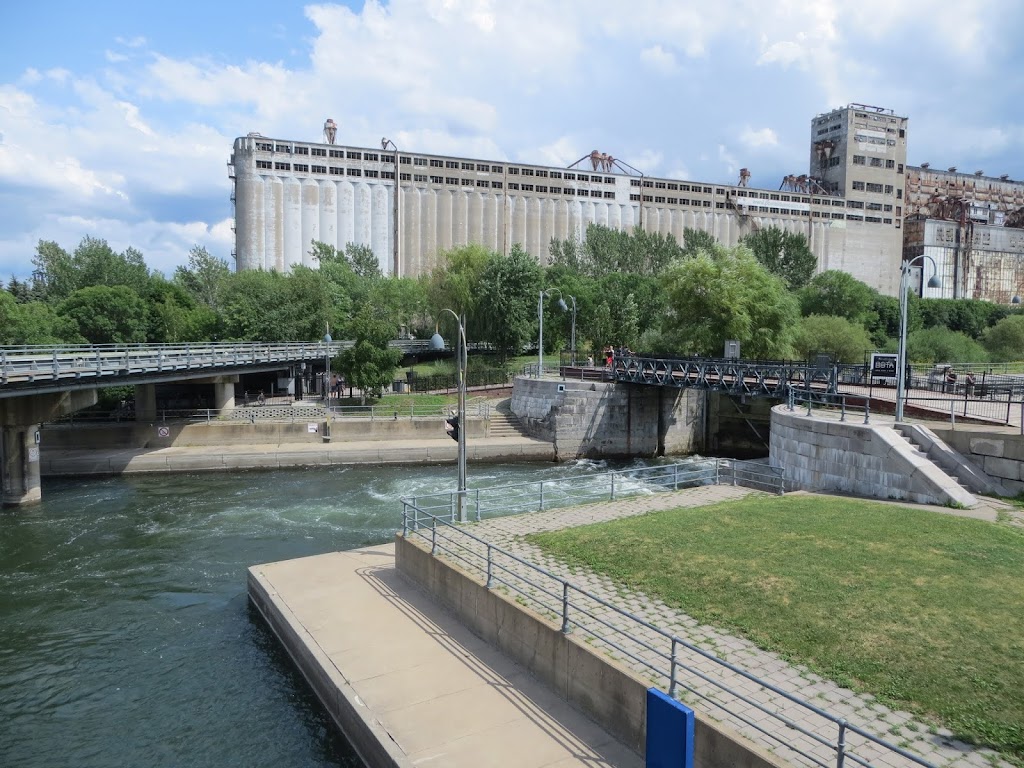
(398, 386)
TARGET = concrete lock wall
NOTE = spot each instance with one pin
(594, 683)
(135, 435)
(1000, 456)
(823, 454)
(598, 419)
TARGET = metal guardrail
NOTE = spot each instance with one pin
(650, 649)
(38, 367)
(749, 378)
(607, 486)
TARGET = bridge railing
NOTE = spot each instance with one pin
(740, 698)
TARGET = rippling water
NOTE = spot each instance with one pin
(125, 633)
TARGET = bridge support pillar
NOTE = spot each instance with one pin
(20, 437)
(145, 402)
(224, 394)
(19, 447)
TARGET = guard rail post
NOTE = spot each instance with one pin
(489, 569)
(565, 607)
(841, 744)
(433, 538)
(672, 669)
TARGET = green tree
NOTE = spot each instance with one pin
(785, 254)
(107, 314)
(363, 261)
(969, 316)
(839, 294)
(175, 316)
(697, 240)
(842, 340)
(509, 287)
(455, 283)
(941, 345)
(94, 263)
(370, 363)
(53, 274)
(727, 294)
(203, 277)
(1005, 340)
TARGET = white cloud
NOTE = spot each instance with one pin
(658, 59)
(113, 57)
(756, 138)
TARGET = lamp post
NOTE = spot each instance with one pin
(327, 367)
(901, 352)
(572, 336)
(540, 315)
(436, 342)
(384, 144)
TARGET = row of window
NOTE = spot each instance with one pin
(875, 162)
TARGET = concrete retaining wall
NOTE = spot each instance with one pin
(1000, 455)
(233, 433)
(820, 453)
(601, 419)
(614, 697)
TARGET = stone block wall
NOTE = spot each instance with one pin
(603, 419)
(1000, 455)
(820, 453)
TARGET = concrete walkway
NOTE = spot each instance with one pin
(431, 691)
(192, 458)
(900, 728)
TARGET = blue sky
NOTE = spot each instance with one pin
(116, 118)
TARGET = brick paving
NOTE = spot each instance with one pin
(803, 738)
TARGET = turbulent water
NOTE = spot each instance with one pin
(125, 634)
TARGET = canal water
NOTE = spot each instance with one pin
(125, 634)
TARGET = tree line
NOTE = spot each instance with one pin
(641, 290)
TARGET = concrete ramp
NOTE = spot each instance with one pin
(955, 464)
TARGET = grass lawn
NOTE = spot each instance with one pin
(424, 400)
(924, 610)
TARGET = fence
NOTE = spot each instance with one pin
(513, 499)
(448, 382)
(743, 700)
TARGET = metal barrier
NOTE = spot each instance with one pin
(656, 653)
(517, 498)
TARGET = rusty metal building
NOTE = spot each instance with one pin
(972, 225)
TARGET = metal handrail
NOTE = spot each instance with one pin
(517, 498)
(560, 604)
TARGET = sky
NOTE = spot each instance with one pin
(117, 118)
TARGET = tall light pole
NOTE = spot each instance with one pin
(327, 367)
(436, 342)
(384, 144)
(540, 315)
(572, 337)
(901, 352)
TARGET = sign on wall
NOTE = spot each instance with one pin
(883, 368)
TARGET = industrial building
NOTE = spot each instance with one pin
(409, 206)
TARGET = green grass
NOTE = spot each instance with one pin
(401, 401)
(924, 610)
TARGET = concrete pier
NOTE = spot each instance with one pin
(406, 681)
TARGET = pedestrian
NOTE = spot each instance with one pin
(590, 361)
(970, 383)
(950, 380)
(608, 357)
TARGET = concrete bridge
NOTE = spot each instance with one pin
(41, 384)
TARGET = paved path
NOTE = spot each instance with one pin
(900, 728)
(432, 693)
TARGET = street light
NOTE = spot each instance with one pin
(384, 144)
(901, 353)
(436, 342)
(540, 314)
(327, 367)
(572, 337)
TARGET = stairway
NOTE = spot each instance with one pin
(504, 423)
(964, 472)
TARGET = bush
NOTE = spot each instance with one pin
(844, 341)
(936, 345)
(1005, 340)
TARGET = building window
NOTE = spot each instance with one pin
(542, 173)
(684, 187)
(282, 148)
(609, 179)
(890, 163)
(437, 179)
(264, 147)
(405, 177)
(319, 152)
(387, 159)
(302, 150)
(282, 166)
(582, 177)
(513, 170)
(888, 189)
(722, 205)
(648, 199)
(570, 176)
(556, 174)
(858, 185)
(873, 219)
(406, 160)
(387, 174)
(512, 186)
(527, 171)
(876, 162)
(773, 196)
(570, 191)
(542, 188)
(467, 182)
(773, 210)
(851, 217)
(707, 203)
(899, 168)
(838, 216)
(496, 185)
(887, 221)
(874, 187)
(264, 164)
(877, 206)
(886, 207)
(419, 161)
(556, 190)
(434, 163)
(634, 182)
(527, 187)
(650, 184)
(899, 194)
(337, 171)
(353, 155)
(609, 195)
(336, 153)
(371, 174)
(785, 198)
(371, 156)
(301, 167)
(684, 201)
(839, 203)
(660, 185)
(468, 167)
(586, 193)
(634, 198)
(483, 183)
(854, 204)
(497, 169)
(451, 180)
